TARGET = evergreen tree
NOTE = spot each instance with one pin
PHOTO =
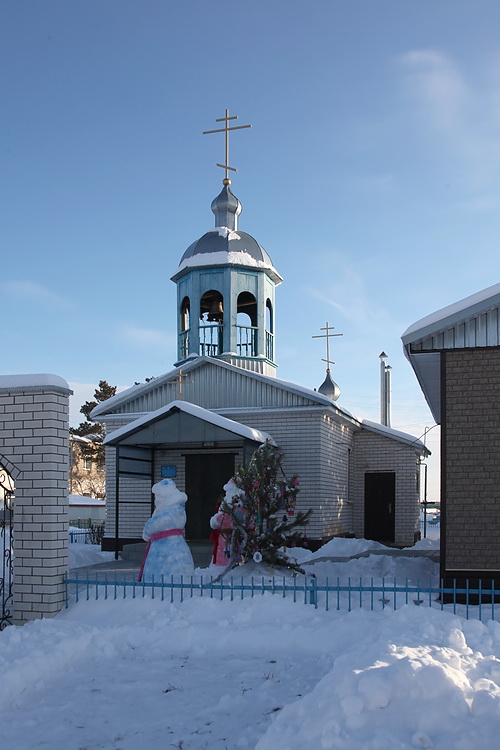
(89, 428)
(264, 517)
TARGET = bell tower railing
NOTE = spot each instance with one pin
(270, 346)
(211, 337)
(184, 344)
(246, 340)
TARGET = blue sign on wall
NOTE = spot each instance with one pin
(168, 471)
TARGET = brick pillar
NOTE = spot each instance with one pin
(34, 436)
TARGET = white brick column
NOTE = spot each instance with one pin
(34, 436)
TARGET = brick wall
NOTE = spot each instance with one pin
(471, 459)
(34, 437)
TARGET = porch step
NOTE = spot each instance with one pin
(133, 552)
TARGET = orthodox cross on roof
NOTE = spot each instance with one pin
(327, 336)
(226, 129)
(178, 382)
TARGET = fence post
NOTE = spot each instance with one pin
(313, 592)
(34, 428)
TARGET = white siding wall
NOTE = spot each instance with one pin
(374, 452)
(330, 458)
(315, 448)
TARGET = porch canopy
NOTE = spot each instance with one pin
(178, 424)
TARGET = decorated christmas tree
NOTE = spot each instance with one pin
(263, 516)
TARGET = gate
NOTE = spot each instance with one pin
(6, 540)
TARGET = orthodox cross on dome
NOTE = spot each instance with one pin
(226, 129)
(178, 382)
(327, 336)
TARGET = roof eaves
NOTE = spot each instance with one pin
(392, 434)
(451, 315)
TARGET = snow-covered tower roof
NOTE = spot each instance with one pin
(225, 244)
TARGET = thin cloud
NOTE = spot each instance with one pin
(34, 292)
(463, 112)
(374, 183)
(437, 85)
(349, 295)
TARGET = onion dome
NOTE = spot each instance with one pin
(329, 388)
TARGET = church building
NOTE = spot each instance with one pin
(222, 400)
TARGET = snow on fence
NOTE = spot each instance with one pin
(377, 594)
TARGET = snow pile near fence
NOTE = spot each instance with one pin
(414, 679)
(261, 673)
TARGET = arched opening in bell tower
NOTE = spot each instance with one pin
(184, 329)
(211, 326)
(246, 325)
(269, 331)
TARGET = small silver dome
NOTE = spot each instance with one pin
(329, 388)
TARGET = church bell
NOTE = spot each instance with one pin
(216, 313)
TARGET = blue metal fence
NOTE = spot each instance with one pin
(82, 536)
(433, 521)
(375, 594)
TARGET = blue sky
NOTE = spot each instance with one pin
(371, 175)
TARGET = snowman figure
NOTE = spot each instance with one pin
(167, 553)
(222, 524)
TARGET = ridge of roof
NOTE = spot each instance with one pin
(194, 364)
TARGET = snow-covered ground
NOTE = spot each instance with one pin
(264, 673)
(81, 554)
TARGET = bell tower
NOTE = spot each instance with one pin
(226, 289)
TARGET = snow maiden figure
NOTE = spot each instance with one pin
(222, 524)
(167, 553)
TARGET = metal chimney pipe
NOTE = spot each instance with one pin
(388, 396)
(383, 388)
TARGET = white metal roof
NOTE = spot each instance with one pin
(450, 316)
(147, 395)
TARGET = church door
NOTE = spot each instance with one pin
(206, 474)
(380, 496)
